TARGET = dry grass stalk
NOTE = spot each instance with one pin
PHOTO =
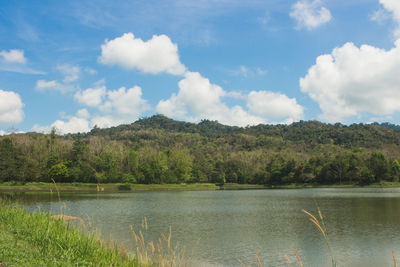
(297, 257)
(394, 259)
(258, 260)
(242, 263)
(322, 228)
(65, 217)
(161, 254)
(287, 259)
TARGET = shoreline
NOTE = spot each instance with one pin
(118, 187)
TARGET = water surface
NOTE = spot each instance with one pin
(219, 227)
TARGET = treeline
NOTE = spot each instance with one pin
(160, 150)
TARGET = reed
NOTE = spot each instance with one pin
(322, 228)
(297, 257)
(161, 253)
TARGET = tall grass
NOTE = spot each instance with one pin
(42, 239)
(52, 242)
(160, 253)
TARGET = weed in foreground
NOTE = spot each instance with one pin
(161, 253)
(322, 228)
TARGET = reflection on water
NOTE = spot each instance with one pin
(218, 227)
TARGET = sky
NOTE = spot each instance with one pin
(77, 64)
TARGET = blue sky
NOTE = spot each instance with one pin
(76, 64)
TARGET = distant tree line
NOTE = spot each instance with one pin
(159, 150)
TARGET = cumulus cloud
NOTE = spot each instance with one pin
(83, 113)
(91, 97)
(13, 56)
(352, 80)
(310, 14)
(43, 85)
(69, 124)
(111, 108)
(71, 73)
(199, 99)
(380, 15)
(154, 56)
(72, 125)
(10, 108)
(14, 60)
(275, 106)
(122, 106)
(392, 6)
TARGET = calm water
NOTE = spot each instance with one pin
(219, 227)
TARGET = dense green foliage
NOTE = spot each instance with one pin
(160, 150)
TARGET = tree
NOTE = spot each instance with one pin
(379, 166)
(59, 172)
(131, 162)
(180, 164)
(9, 161)
(395, 170)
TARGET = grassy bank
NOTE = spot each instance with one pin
(38, 240)
(383, 184)
(115, 187)
(111, 187)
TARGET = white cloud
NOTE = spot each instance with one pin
(41, 129)
(15, 61)
(196, 95)
(71, 73)
(91, 97)
(13, 56)
(19, 69)
(199, 99)
(2, 133)
(90, 71)
(393, 6)
(310, 14)
(43, 85)
(353, 80)
(154, 56)
(83, 113)
(274, 106)
(380, 15)
(125, 105)
(10, 108)
(249, 72)
(70, 124)
(120, 106)
(107, 121)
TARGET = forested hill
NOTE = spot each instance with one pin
(162, 150)
(307, 132)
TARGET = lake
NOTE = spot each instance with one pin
(219, 227)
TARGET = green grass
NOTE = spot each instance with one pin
(35, 239)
